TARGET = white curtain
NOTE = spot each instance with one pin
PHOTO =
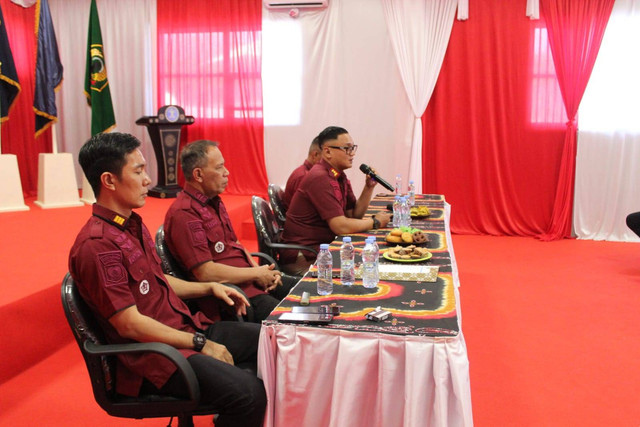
(128, 36)
(419, 31)
(607, 184)
(333, 67)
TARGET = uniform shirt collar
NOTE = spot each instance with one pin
(307, 164)
(115, 218)
(201, 197)
(333, 172)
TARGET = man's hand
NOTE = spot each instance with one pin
(231, 296)
(370, 182)
(268, 277)
(217, 351)
(384, 218)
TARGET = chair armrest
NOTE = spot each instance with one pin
(265, 257)
(167, 351)
(292, 246)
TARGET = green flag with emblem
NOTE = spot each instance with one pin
(96, 84)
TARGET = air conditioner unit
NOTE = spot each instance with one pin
(293, 4)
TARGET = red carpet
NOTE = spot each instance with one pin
(551, 328)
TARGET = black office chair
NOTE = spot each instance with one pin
(275, 199)
(100, 359)
(170, 265)
(268, 231)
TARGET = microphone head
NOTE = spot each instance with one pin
(365, 169)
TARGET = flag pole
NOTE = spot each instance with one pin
(54, 139)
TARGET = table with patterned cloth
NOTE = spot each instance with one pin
(408, 370)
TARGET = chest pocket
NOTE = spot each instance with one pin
(215, 231)
(140, 270)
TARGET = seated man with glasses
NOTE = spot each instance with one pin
(324, 204)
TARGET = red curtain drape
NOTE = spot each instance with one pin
(575, 31)
(483, 148)
(209, 62)
(18, 133)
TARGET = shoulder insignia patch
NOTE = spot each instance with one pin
(111, 268)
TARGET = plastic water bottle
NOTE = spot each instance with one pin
(325, 264)
(369, 265)
(347, 266)
(412, 194)
(396, 212)
(376, 248)
(398, 185)
(405, 212)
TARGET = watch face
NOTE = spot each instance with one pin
(172, 113)
(199, 340)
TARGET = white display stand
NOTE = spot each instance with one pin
(87, 192)
(11, 198)
(57, 185)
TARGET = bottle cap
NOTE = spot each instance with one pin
(346, 239)
(411, 182)
(324, 246)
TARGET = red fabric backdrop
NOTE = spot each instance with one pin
(496, 165)
(18, 133)
(209, 61)
(575, 31)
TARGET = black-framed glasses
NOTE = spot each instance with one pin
(349, 149)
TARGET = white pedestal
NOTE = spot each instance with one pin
(11, 198)
(57, 186)
(87, 192)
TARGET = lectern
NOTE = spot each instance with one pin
(164, 130)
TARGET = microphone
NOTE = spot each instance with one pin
(367, 171)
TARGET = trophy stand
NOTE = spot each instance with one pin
(164, 130)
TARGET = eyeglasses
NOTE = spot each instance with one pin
(349, 149)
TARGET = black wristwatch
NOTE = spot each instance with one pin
(376, 223)
(199, 340)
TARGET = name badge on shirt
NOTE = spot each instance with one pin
(219, 247)
(144, 287)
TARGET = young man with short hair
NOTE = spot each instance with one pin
(115, 266)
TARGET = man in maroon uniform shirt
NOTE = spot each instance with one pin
(118, 273)
(324, 204)
(199, 233)
(314, 156)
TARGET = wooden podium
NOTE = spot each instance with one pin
(164, 130)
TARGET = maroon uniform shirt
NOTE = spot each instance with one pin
(198, 230)
(324, 193)
(115, 266)
(294, 181)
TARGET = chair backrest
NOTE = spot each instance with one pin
(275, 199)
(170, 265)
(267, 228)
(85, 328)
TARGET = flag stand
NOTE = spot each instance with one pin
(11, 197)
(57, 185)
